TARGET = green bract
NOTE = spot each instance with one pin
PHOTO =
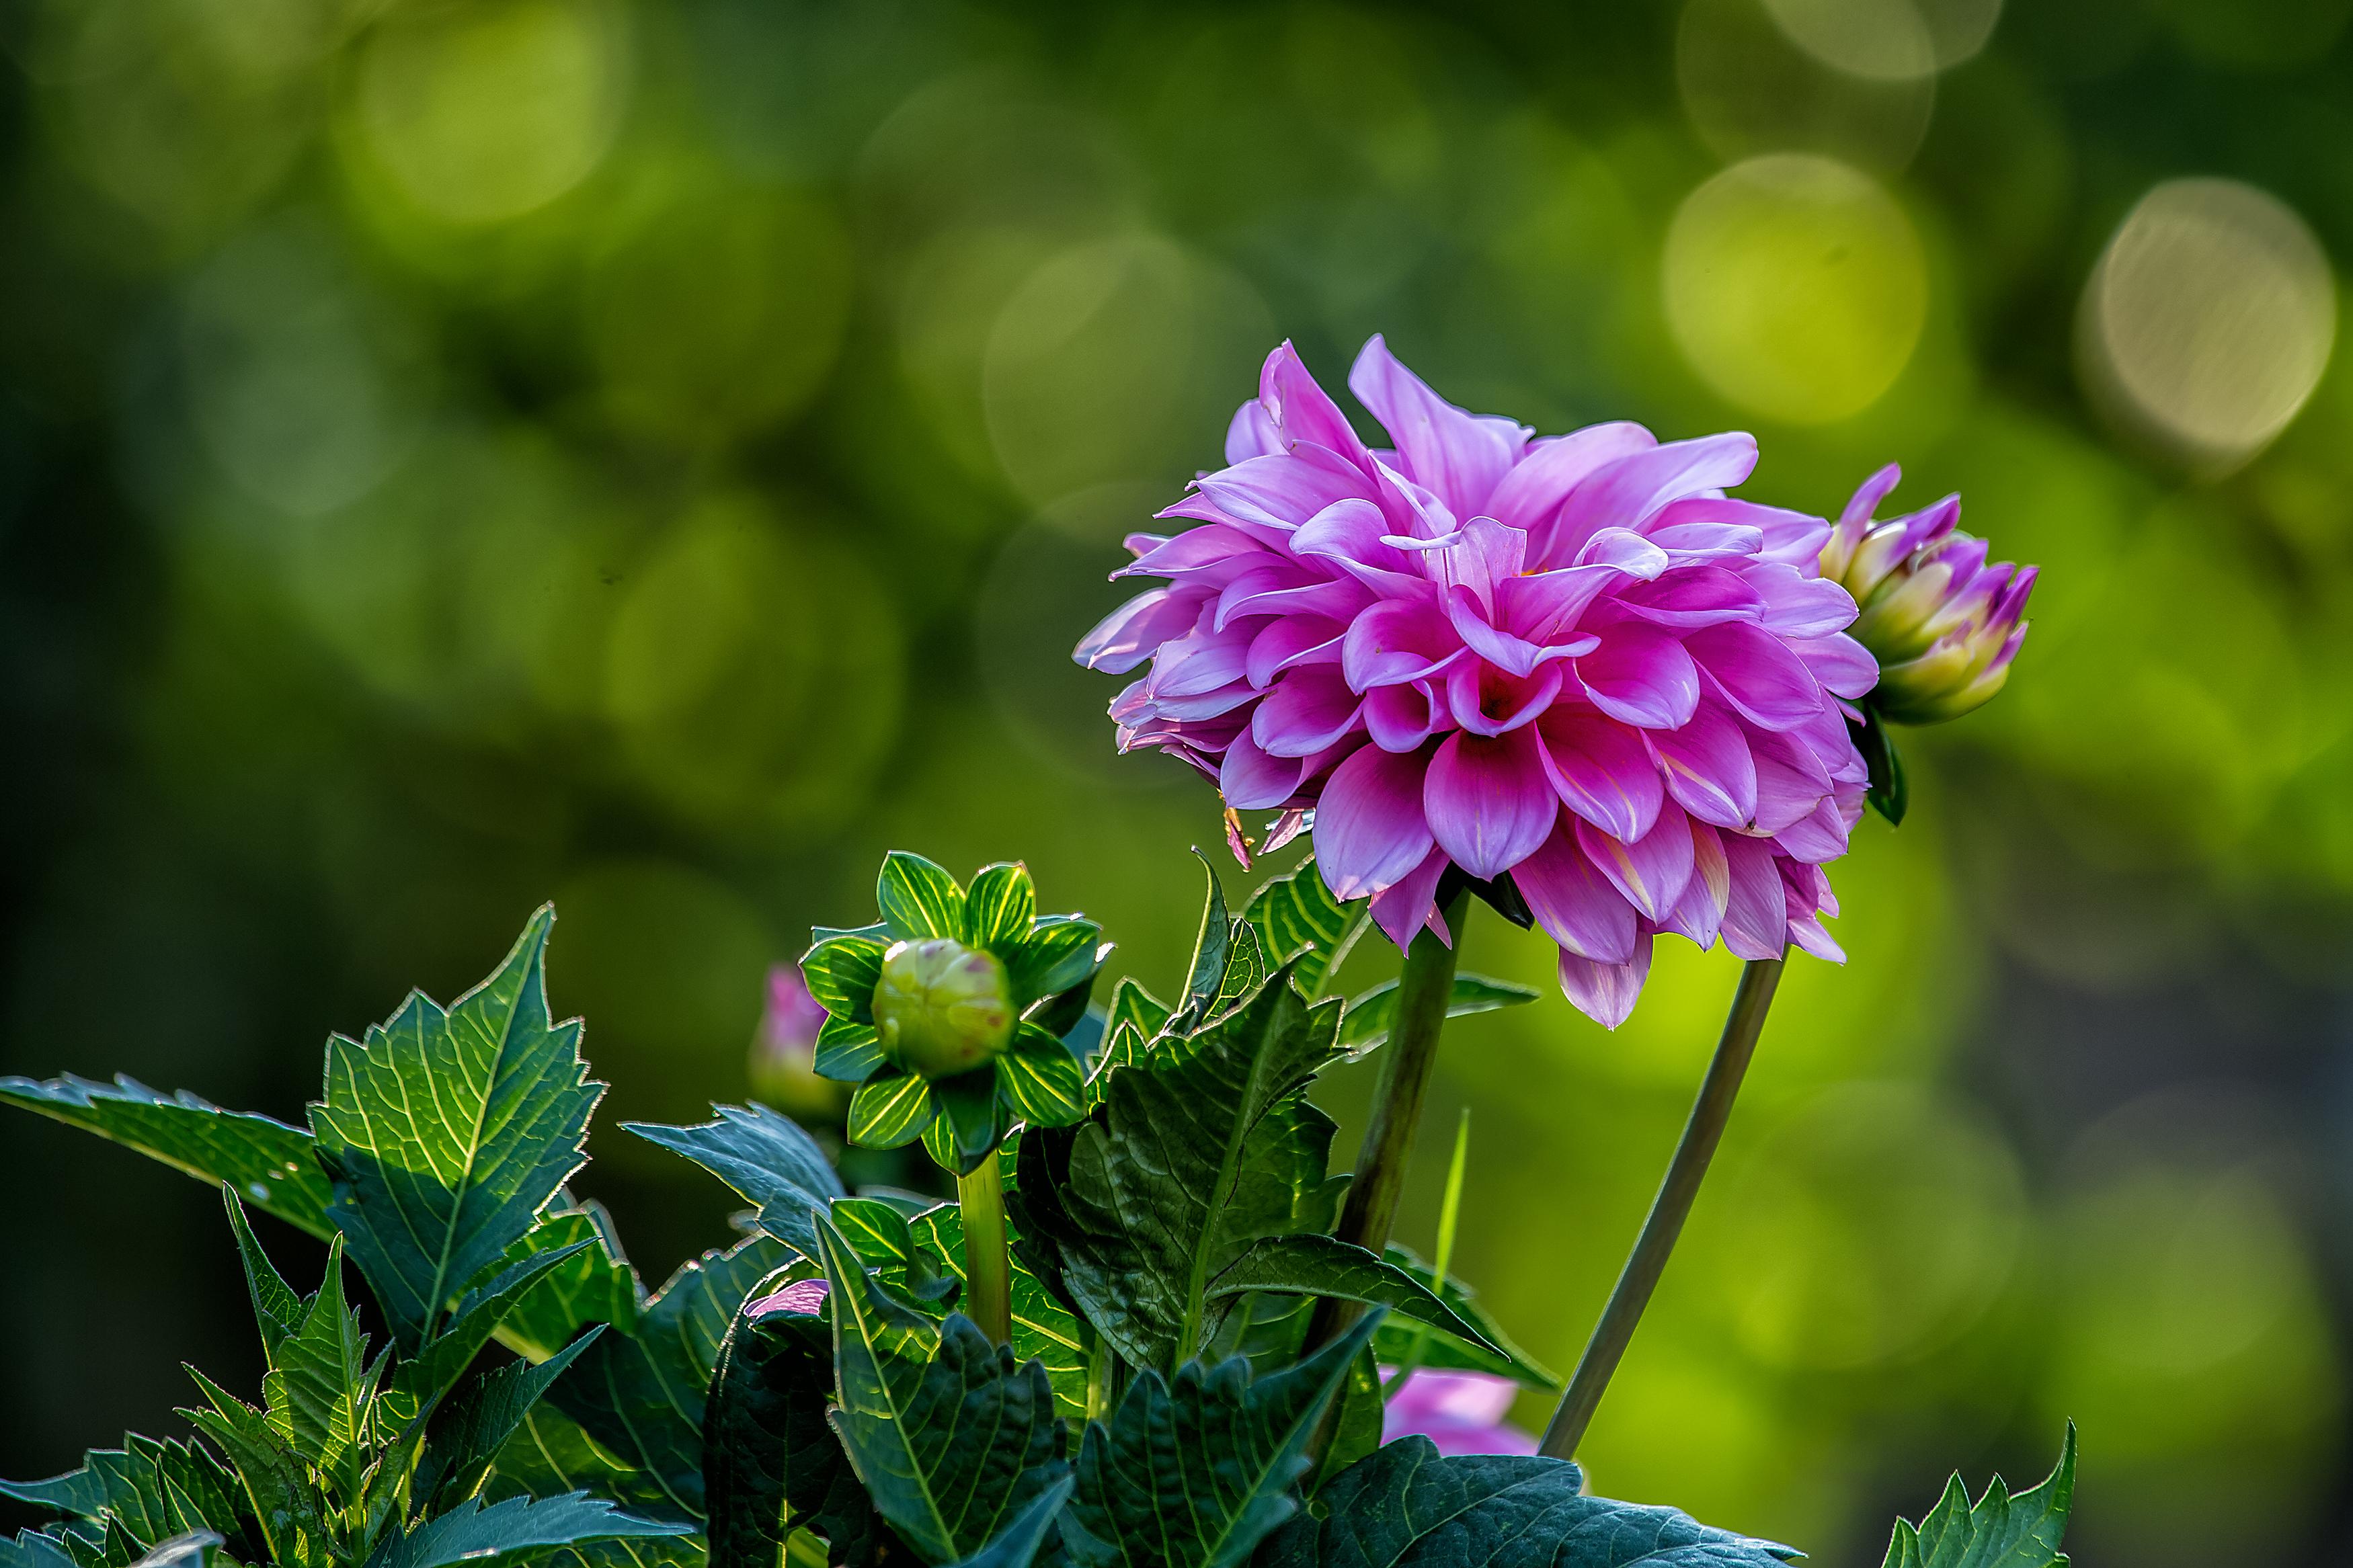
(954, 1014)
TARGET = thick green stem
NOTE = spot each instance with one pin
(1424, 988)
(1667, 1211)
(987, 1262)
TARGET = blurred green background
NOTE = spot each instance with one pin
(657, 455)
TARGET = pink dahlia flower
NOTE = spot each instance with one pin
(1575, 662)
(1461, 1412)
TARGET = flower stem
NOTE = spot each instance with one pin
(1424, 988)
(987, 1261)
(1667, 1211)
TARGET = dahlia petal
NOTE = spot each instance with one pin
(1400, 718)
(1758, 674)
(1252, 779)
(1404, 909)
(1606, 992)
(1625, 550)
(1308, 710)
(1574, 903)
(1869, 494)
(1303, 411)
(1686, 542)
(1652, 870)
(1284, 490)
(1338, 600)
(1756, 915)
(1289, 642)
(1350, 533)
(1791, 538)
(1486, 701)
(1790, 779)
(1545, 607)
(1213, 704)
(1708, 768)
(1487, 800)
(1189, 550)
(1197, 662)
(1698, 915)
(1135, 631)
(1817, 837)
(1252, 433)
(1842, 665)
(1398, 640)
(1600, 771)
(1500, 648)
(1459, 456)
(1642, 676)
(1555, 466)
(1797, 606)
(1370, 832)
(1626, 493)
(1485, 554)
(1695, 597)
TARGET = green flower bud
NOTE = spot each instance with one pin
(942, 1008)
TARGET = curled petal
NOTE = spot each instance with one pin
(1461, 457)
(1606, 992)
(1532, 492)
(1289, 642)
(1642, 676)
(1487, 800)
(1303, 410)
(1600, 771)
(1403, 909)
(1698, 915)
(1400, 718)
(1252, 433)
(1574, 903)
(1134, 632)
(1398, 640)
(1370, 833)
(1708, 768)
(1843, 666)
(1487, 701)
(1309, 709)
(1758, 674)
(1625, 493)
(1253, 779)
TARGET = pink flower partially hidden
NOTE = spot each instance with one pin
(802, 1297)
(1461, 1412)
(1572, 660)
(790, 1026)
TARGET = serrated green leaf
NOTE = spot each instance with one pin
(842, 974)
(31, 1548)
(448, 1132)
(268, 1162)
(470, 1429)
(952, 1439)
(1326, 1265)
(320, 1392)
(918, 898)
(1494, 1351)
(594, 1285)
(1299, 921)
(287, 1508)
(513, 1529)
(999, 907)
(772, 1463)
(1405, 1506)
(276, 1310)
(891, 1110)
(82, 1493)
(550, 1456)
(1041, 1081)
(1246, 967)
(766, 1158)
(1018, 1544)
(1204, 977)
(147, 1491)
(1146, 1498)
(1371, 1016)
(1999, 1530)
(640, 1396)
(1044, 1331)
(1199, 1151)
(1132, 1004)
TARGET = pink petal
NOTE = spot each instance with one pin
(1290, 641)
(1756, 915)
(1197, 662)
(1624, 493)
(1797, 606)
(1758, 675)
(1280, 492)
(1606, 992)
(1458, 455)
(1546, 606)
(1351, 532)
(1843, 666)
(1575, 904)
(1489, 701)
(1405, 909)
(1400, 718)
(1815, 838)
(1708, 768)
(1134, 632)
(1303, 410)
(1191, 550)
(1790, 780)
(1308, 710)
(1252, 433)
(1640, 676)
(1627, 551)
(1487, 800)
(1398, 640)
(1600, 771)
(1699, 913)
(1369, 832)
(1690, 598)
(1252, 779)
(1534, 490)
(1652, 870)
(1791, 538)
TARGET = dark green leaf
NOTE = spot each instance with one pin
(641, 1395)
(1362, 1413)
(1493, 1351)
(1372, 1015)
(969, 1129)
(516, 1528)
(842, 974)
(766, 1158)
(1212, 947)
(1197, 1474)
(31, 1548)
(82, 1493)
(448, 1132)
(891, 1110)
(276, 1310)
(148, 1490)
(268, 1162)
(1199, 1151)
(1017, 1544)
(1297, 918)
(288, 1511)
(1325, 1265)
(848, 1050)
(1132, 1004)
(1889, 794)
(1000, 907)
(1405, 1506)
(550, 1456)
(950, 1436)
(918, 898)
(1041, 1081)
(468, 1431)
(772, 1463)
(1999, 1531)
(1245, 966)
(1061, 952)
(594, 1285)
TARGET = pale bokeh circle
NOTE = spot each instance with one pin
(2209, 318)
(1888, 40)
(1795, 286)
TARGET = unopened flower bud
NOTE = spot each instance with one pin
(1942, 623)
(942, 1008)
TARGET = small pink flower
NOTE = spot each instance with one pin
(803, 1298)
(1461, 1412)
(790, 1026)
(1573, 661)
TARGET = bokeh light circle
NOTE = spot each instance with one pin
(485, 111)
(1795, 286)
(1888, 40)
(2209, 319)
